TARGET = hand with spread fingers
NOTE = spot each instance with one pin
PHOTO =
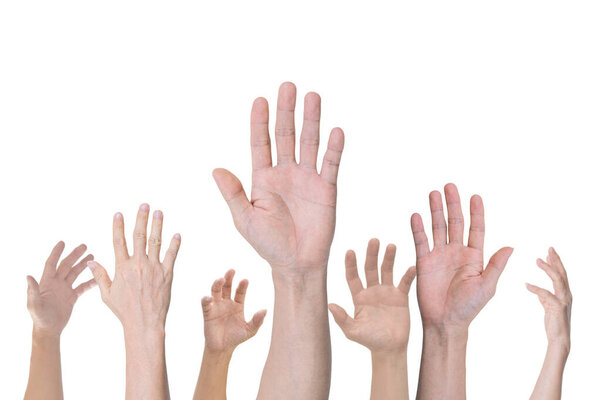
(290, 221)
(452, 287)
(225, 327)
(139, 295)
(50, 303)
(381, 320)
(557, 320)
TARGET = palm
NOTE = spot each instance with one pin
(291, 218)
(452, 285)
(51, 302)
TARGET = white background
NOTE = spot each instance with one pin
(104, 105)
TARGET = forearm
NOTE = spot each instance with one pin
(45, 379)
(443, 371)
(212, 381)
(146, 370)
(299, 362)
(549, 383)
(390, 378)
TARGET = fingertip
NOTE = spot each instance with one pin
(144, 207)
(118, 216)
(177, 237)
(91, 265)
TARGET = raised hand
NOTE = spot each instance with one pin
(224, 329)
(452, 285)
(557, 320)
(139, 295)
(51, 302)
(225, 326)
(290, 218)
(381, 317)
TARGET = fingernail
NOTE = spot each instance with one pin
(177, 236)
(91, 265)
(118, 216)
(144, 207)
(158, 214)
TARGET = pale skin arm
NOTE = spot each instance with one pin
(381, 320)
(452, 288)
(557, 307)
(290, 222)
(139, 295)
(225, 327)
(50, 304)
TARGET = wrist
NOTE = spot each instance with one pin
(559, 347)
(388, 357)
(299, 277)
(446, 334)
(45, 334)
(217, 356)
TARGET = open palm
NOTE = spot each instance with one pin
(290, 219)
(224, 324)
(381, 317)
(51, 302)
(452, 285)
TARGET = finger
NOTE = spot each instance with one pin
(139, 232)
(407, 279)
(78, 269)
(555, 276)
(101, 277)
(333, 156)
(545, 296)
(119, 242)
(387, 265)
(206, 305)
(65, 265)
(216, 289)
(240, 292)
(309, 138)
(50, 266)
(260, 142)
(285, 129)
(341, 317)
(371, 274)
(155, 240)
(256, 321)
(33, 290)
(84, 287)
(226, 292)
(495, 266)
(419, 236)
(171, 254)
(235, 196)
(438, 220)
(352, 277)
(456, 224)
(477, 229)
(555, 260)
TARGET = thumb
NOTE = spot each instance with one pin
(101, 277)
(33, 289)
(341, 317)
(495, 266)
(256, 321)
(407, 279)
(233, 193)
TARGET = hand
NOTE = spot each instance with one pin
(557, 305)
(452, 286)
(381, 317)
(140, 293)
(224, 324)
(290, 219)
(51, 302)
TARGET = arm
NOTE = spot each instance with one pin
(50, 304)
(290, 223)
(381, 320)
(557, 307)
(452, 288)
(224, 329)
(139, 295)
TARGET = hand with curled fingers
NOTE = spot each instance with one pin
(381, 320)
(50, 303)
(557, 320)
(139, 295)
(225, 327)
(290, 218)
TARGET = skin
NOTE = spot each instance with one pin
(290, 222)
(50, 303)
(452, 287)
(381, 320)
(557, 320)
(224, 329)
(139, 295)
